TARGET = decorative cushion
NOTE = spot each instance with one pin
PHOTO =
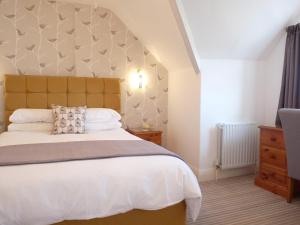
(68, 120)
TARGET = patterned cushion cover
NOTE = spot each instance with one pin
(68, 120)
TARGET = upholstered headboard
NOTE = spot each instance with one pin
(26, 91)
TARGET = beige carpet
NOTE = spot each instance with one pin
(237, 201)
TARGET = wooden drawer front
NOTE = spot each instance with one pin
(273, 175)
(156, 138)
(273, 156)
(272, 138)
(153, 135)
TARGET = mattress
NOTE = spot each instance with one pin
(43, 194)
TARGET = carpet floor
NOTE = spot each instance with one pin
(237, 201)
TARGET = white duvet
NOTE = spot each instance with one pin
(44, 194)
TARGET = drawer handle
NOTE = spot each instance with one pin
(274, 139)
(264, 176)
(266, 149)
(273, 157)
(273, 174)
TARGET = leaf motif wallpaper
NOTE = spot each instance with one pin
(49, 37)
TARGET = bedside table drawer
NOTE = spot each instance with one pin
(155, 139)
(152, 136)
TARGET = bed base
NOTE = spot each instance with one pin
(173, 215)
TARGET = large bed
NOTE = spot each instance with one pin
(137, 190)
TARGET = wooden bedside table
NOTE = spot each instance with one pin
(149, 135)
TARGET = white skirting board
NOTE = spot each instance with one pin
(210, 174)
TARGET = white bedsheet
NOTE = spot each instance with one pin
(44, 194)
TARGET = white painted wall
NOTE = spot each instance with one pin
(231, 91)
(238, 91)
(184, 115)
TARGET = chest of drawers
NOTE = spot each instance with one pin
(273, 174)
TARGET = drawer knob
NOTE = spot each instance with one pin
(266, 150)
(264, 176)
(274, 139)
(272, 174)
(273, 157)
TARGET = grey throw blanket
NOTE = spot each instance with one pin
(78, 150)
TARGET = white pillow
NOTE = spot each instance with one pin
(48, 127)
(45, 115)
(31, 116)
(102, 115)
(102, 126)
(30, 127)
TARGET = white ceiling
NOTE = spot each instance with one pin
(155, 25)
(228, 29)
(238, 29)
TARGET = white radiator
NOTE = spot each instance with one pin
(237, 145)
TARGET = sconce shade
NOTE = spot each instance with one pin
(138, 79)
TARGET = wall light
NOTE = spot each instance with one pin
(138, 79)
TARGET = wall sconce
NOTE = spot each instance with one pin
(138, 79)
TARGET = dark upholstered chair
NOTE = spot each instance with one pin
(290, 120)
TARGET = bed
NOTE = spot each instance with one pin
(142, 190)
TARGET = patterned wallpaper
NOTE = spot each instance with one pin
(55, 38)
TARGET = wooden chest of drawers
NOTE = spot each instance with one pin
(273, 174)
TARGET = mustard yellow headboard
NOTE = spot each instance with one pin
(26, 91)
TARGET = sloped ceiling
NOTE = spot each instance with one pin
(228, 29)
(155, 25)
(238, 29)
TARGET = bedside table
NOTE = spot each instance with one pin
(149, 135)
